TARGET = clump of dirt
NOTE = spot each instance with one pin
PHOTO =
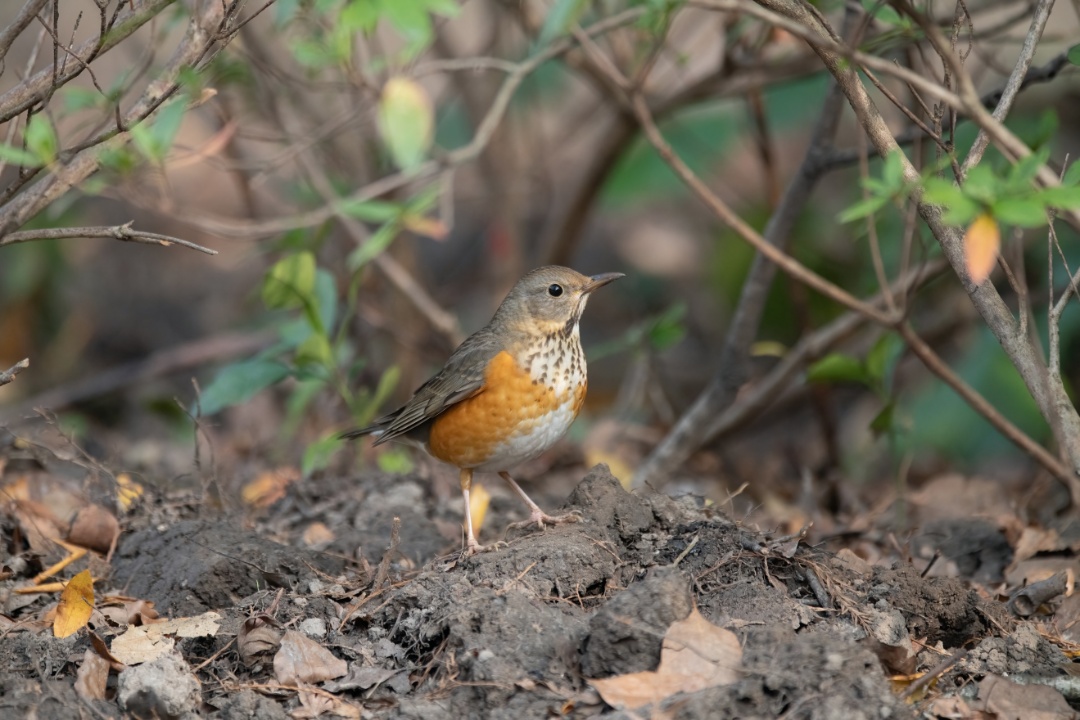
(522, 629)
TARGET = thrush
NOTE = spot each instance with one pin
(509, 392)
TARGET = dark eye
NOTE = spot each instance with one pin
(555, 290)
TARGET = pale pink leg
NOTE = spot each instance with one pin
(536, 515)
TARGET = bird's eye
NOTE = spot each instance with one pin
(555, 290)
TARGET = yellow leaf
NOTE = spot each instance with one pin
(269, 487)
(433, 228)
(982, 241)
(127, 491)
(479, 499)
(76, 605)
(406, 121)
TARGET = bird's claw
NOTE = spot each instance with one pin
(476, 548)
(539, 518)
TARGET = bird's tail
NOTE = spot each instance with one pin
(373, 430)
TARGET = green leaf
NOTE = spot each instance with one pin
(863, 208)
(326, 299)
(290, 282)
(315, 350)
(1074, 55)
(559, 19)
(883, 12)
(838, 367)
(317, 455)
(1072, 175)
(406, 122)
(377, 243)
(240, 382)
(41, 139)
(376, 211)
(669, 328)
(154, 138)
(395, 461)
(1061, 197)
(881, 356)
(1023, 172)
(892, 172)
(1023, 212)
(80, 98)
(883, 421)
(18, 156)
(981, 183)
(362, 15)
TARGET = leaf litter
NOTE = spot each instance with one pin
(775, 622)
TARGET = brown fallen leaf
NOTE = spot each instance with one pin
(302, 660)
(317, 535)
(93, 527)
(92, 676)
(695, 655)
(269, 487)
(126, 611)
(76, 605)
(1007, 700)
(258, 639)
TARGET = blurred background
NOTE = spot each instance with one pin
(357, 244)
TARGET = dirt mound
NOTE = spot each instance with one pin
(519, 631)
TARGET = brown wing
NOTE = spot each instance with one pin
(462, 377)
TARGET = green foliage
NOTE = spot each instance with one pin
(656, 333)
(562, 16)
(406, 122)
(1008, 195)
(154, 138)
(874, 372)
(1074, 55)
(41, 139)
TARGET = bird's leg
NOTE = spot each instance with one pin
(536, 515)
(471, 545)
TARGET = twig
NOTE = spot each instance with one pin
(1026, 600)
(940, 669)
(21, 21)
(1015, 82)
(9, 374)
(116, 232)
(163, 362)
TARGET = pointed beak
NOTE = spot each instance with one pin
(598, 281)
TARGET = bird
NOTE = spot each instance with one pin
(508, 392)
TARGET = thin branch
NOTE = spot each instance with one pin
(123, 233)
(22, 20)
(1015, 82)
(468, 152)
(979, 404)
(9, 374)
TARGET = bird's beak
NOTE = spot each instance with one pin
(597, 281)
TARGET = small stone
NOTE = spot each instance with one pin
(164, 689)
(485, 655)
(314, 627)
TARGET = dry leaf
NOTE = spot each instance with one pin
(1007, 700)
(317, 535)
(981, 244)
(479, 499)
(76, 605)
(127, 491)
(95, 528)
(428, 227)
(259, 638)
(696, 655)
(149, 642)
(269, 487)
(124, 611)
(302, 660)
(92, 676)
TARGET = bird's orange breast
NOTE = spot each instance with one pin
(515, 416)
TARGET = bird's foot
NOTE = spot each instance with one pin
(475, 548)
(539, 518)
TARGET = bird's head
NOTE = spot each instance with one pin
(550, 300)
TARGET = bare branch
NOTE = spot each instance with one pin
(21, 21)
(1015, 82)
(116, 232)
(9, 374)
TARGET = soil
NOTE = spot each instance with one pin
(518, 631)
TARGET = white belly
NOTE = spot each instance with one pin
(531, 440)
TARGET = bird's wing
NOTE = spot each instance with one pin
(462, 377)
